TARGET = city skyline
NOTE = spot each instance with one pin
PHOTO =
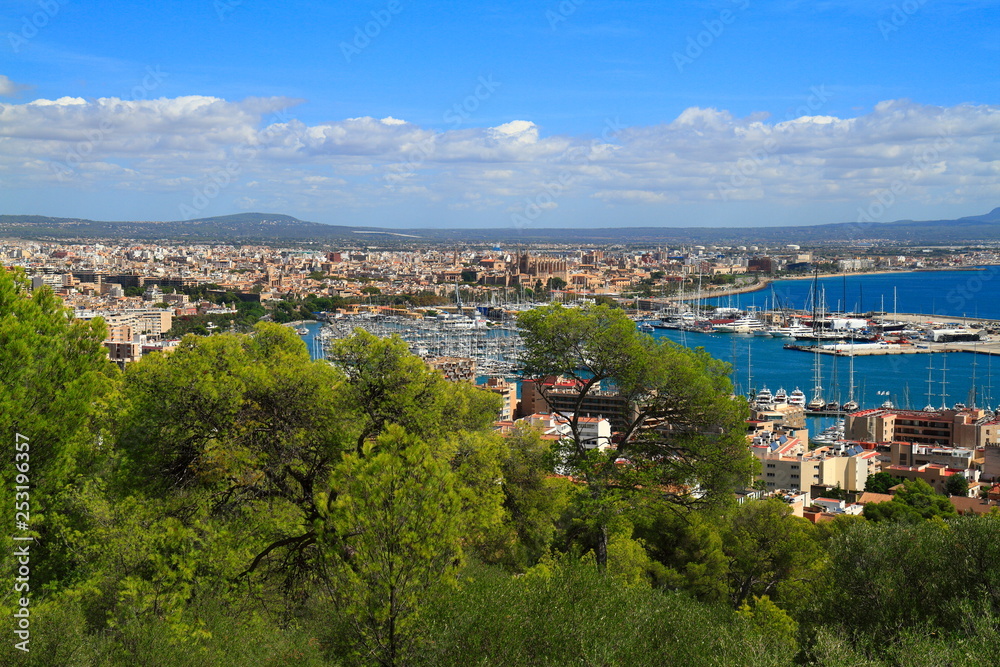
(562, 114)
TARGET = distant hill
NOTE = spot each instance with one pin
(239, 227)
(274, 227)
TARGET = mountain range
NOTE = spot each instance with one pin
(271, 228)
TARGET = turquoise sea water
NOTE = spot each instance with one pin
(972, 293)
(760, 362)
(763, 362)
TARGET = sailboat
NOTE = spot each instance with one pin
(851, 405)
(930, 391)
(816, 403)
(834, 405)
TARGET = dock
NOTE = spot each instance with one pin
(990, 347)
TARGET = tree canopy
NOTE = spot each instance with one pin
(235, 503)
(682, 438)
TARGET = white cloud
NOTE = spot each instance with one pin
(704, 155)
(10, 89)
(522, 131)
(633, 197)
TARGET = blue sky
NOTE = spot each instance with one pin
(546, 114)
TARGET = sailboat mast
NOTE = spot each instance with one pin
(930, 384)
(851, 378)
(975, 362)
(944, 382)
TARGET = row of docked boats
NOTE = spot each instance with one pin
(751, 325)
(764, 399)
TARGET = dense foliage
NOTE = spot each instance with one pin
(234, 503)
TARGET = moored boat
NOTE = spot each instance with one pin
(797, 398)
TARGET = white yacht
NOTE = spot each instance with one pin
(791, 331)
(743, 325)
(764, 398)
(797, 398)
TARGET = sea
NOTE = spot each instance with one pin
(910, 381)
(974, 292)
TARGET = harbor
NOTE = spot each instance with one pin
(904, 366)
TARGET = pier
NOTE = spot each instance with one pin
(990, 347)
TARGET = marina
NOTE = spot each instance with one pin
(493, 348)
(875, 372)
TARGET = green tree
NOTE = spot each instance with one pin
(881, 482)
(772, 622)
(915, 500)
(892, 511)
(385, 384)
(397, 521)
(901, 574)
(534, 498)
(246, 430)
(957, 485)
(691, 546)
(55, 381)
(770, 551)
(602, 300)
(681, 429)
(237, 426)
(836, 492)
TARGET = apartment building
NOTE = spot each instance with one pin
(508, 392)
(562, 394)
(595, 432)
(967, 427)
(455, 369)
(934, 474)
(912, 454)
(787, 466)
